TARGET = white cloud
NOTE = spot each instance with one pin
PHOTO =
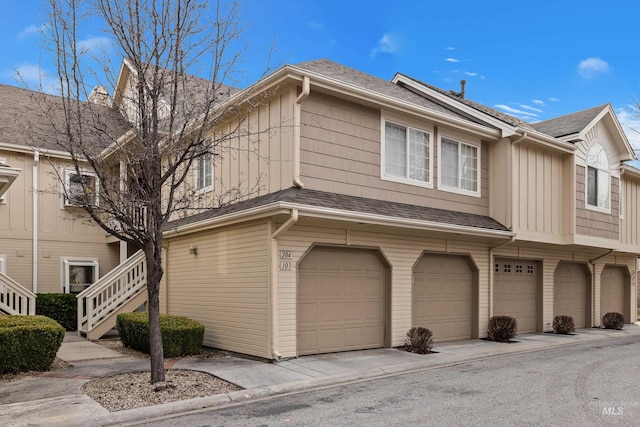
(450, 48)
(34, 77)
(537, 102)
(554, 99)
(471, 73)
(592, 66)
(95, 45)
(515, 111)
(529, 108)
(315, 25)
(452, 60)
(32, 30)
(388, 43)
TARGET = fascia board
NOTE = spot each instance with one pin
(549, 141)
(507, 130)
(630, 170)
(27, 149)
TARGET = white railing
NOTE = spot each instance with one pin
(111, 291)
(15, 299)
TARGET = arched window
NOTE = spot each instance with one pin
(598, 188)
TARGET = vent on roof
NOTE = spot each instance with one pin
(462, 91)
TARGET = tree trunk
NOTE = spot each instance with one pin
(154, 274)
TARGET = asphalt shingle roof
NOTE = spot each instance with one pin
(569, 124)
(35, 119)
(351, 204)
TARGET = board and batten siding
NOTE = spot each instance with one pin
(630, 205)
(595, 223)
(341, 153)
(253, 155)
(401, 249)
(541, 193)
(225, 286)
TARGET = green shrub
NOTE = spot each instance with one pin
(28, 343)
(180, 335)
(419, 340)
(502, 328)
(563, 325)
(613, 320)
(63, 308)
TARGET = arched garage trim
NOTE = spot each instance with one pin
(445, 295)
(343, 299)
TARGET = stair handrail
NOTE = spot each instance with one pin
(12, 293)
(90, 297)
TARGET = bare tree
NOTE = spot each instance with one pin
(171, 117)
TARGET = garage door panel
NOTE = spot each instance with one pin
(612, 291)
(571, 292)
(350, 300)
(443, 296)
(515, 292)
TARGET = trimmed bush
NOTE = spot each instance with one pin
(419, 340)
(63, 308)
(613, 320)
(502, 328)
(563, 325)
(180, 335)
(28, 343)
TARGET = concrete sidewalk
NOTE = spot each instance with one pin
(55, 398)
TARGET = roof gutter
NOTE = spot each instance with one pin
(297, 107)
(547, 141)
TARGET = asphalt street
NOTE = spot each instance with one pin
(593, 384)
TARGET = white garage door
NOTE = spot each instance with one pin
(571, 292)
(443, 296)
(515, 292)
(341, 300)
(612, 292)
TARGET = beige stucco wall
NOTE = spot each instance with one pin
(225, 286)
(341, 153)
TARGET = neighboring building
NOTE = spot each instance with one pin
(47, 244)
(374, 206)
(387, 205)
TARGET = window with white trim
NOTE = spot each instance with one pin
(3, 264)
(598, 178)
(3, 196)
(80, 189)
(407, 154)
(459, 167)
(204, 172)
(79, 274)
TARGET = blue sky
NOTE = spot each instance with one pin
(534, 60)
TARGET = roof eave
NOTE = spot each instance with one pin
(337, 215)
(506, 129)
(621, 138)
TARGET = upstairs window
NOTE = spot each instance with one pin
(459, 167)
(598, 179)
(80, 189)
(204, 172)
(407, 154)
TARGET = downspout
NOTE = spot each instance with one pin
(593, 285)
(306, 89)
(36, 161)
(274, 281)
(491, 271)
